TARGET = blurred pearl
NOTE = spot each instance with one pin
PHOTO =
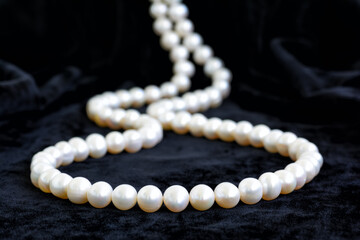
(176, 198)
(158, 9)
(284, 142)
(202, 54)
(203, 100)
(309, 168)
(271, 185)
(184, 27)
(97, 145)
(193, 41)
(130, 117)
(113, 122)
(137, 96)
(222, 74)
(80, 147)
(178, 11)
(58, 185)
(152, 93)
(227, 195)
(102, 116)
(45, 178)
(55, 153)
(242, 132)
(179, 53)
(77, 190)
(133, 141)
(316, 159)
(271, 140)
(180, 123)
(196, 124)
(124, 197)
(202, 197)
(250, 190)
(162, 25)
(299, 174)
(67, 152)
(43, 157)
(258, 134)
(223, 87)
(99, 194)
(211, 127)
(170, 2)
(214, 96)
(149, 137)
(293, 147)
(211, 65)
(288, 181)
(184, 67)
(166, 119)
(37, 170)
(168, 90)
(115, 142)
(169, 40)
(191, 102)
(306, 147)
(111, 99)
(226, 129)
(182, 82)
(149, 198)
(125, 98)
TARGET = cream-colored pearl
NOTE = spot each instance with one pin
(271, 140)
(184, 27)
(179, 53)
(99, 194)
(184, 67)
(258, 134)
(309, 168)
(102, 116)
(58, 185)
(169, 40)
(316, 159)
(203, 100)
(165, 119)
(250, 190)
(271, 185)
(37, 170)
(77, 190)
(191, 102)
(180, 123)
(242, 132)
(306, 147)
(130, 118)
(152, 93)
(124, 98)
(192, 41)
(133, 141)
(182, 82)
(284, 142)
(223, 87)
(211, 127)
(111, 99)
(202, 54)
(43, 157)
(196, 124)
(299, 174)
(137, 96)
(211, 65)
(162, 25)
(226, 129)
(293, 147)
(80, 147)
(45, 178)
(55, 153)
(124, 197)
(97, 145)
(214, 95)
(222, 74)
(288, 181)
(178, 11)
(178, 104)
(168, 90)
(149, 137)
(114, 121)
(202, 197)
(158, 9)
(176, 198)
(115, 142)
(227, 195)
(149, 198)
(67, 152)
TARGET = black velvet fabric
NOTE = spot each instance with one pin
(296, 67)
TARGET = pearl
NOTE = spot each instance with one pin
(124, 197)
(166, 119)
(299, 174)
(309, 168)
(130, 117)
(152, 93)
(43, 157)
(124, 97)
(133, 141)
(149, 198)
(77, 190)
(184, 67)
(202, 197)
(179, 53)
(114, 121)
(99, 194)
(178, 11)
(242, 132)
(226, 129)
(180, 123)
(193, 41)
(271, 185)
(149, 137)
(222, 74)
(162, 25)
(211, 127)
(111, 99)
(191, 102)
(271, 140)
(184, 27)
(211, 65)
(67, 152)
(176, 198)
(315, 159)
(137, 96)
(170, 2)
(250, 190)
(214, 96)
(288, 181)
(102, 116)
(227, 195)
(97, 145)
(115, 142)
(306, 147)
(168, 90)
(258, 134)
(203, 100)
(293, 147)
(55, 153)
(223, 87)
(37, 170)
(284, 142)
(80, 147)
(58, 185)
(182, 82)
(202, 54)
(169, 40)
(196, 124)
(158, 9)
(45, 178)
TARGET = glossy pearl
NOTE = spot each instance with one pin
(113, 122)
(184, 67)
(81, 149)
(211, 128)
(250, 190)
(214, 96)
(67, 152)
(179, 53)
(58, 185)
(315, 157)
(158, 9)
(192, 41)
(45, 178)
(37, 170)
(306, 147)
(284, 142)
(227, 195)
(168, 90)
(149, 198)
(222, 74)
(293, 147)
(182, 82)
(162, 25)
(299, 174)
(97, 145)
(166, 119)
(271, 140)
(258, 134)
(137, 96)
(125, 98)
(77, 190)
(133, 141)
(115, 142)
(184, 27)
(124, 197)
(202, 197)
(226, 129)
(169, 40)
(152, 93)
(178, 12)
(180, 123)
(202, 54)
(242, 132)
(178, 104)
(223, 87)
(271, 185)
(196, 124)
(288, 181)
(99, 194)
(176, 198)
(55, 153)
(102, 116)
(43, 157)
(149, 136)
(130, 117)
(203, 100)
(211, 65)
(309, 168)
(191, 102)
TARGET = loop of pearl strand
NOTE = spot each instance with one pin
(169, 112)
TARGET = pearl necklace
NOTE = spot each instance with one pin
(168, 112)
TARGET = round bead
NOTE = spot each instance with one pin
(293, 147)
(316, 159)
(149, 198)
(102, 116)
(178, 104)
(130, 117)
(306, 147)
(191, 102)
(45, 178)
(196, 124)
(184, 27)
(222, 74)
(55, 153)
(192, 41)
(271, 185)
(149, 137)
(203, 100)
(58, 185)
(133, 141)
(67, 152)
(124, 197)
(223, 87)
(168, 90)
(162, 25)
(169, 40)
(178, 12)
(152, 93)
(77, 190)
(97, 145)
(202, 197)
(227, 195)
(202, 54)
(182, 82)
(124, 98)
(99, 194)
(37, 170)
(309, 168)
(271, 140)
(226, 129)
(184, 67)
(43, 157)
(114, 121)
(137, 96)
(284, 142)
(166, 119)
(250, 190)
(258, 134)
(214, 95)
(158, 9)
(211, 65)
(180, 123)
(242, 132)
(80, 147)
(299, 174)
(115, 142)
(211, 128)
(288, 181)
(176, 198)
(179, 53)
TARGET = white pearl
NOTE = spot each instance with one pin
(226, 129)
(242, 132)
(211, 65)
(179, 53)
(271, 185)
(168, 90)
(67, 152)
(152, 93)
(223, 87)
(115, 142)
(182, 82)
(97, 145)
(170, 2)
(124, 197)
(184, 67)
(203, 100)
(125, 98)
(214, 96)
(80, 147)
(149, 137)
(306, 147)
(316, 159)
(299, 174)
(133, 141)
(211, 127)
(162, 25)
(222, 74)
(111, 99)
(227, 195)
(58, 185)
(293, 147)
(158, 9)
(130, 117)
(169, 40)
(37, 170)
(99, 194)
(250, 190)
(176, 198)
(102, 116)
(77, 190)
(202, 197)
(43, 157)
(93, 106)
(309, 168)
(45, 178)
(178, 11)
(284, 142)
(191, 102)
(114, 121)
(137, 96)
(271, 140)
(184, 27)
(149, 198)
(180, 123)
(55, 153)
(288, 181)
(166, 119)
(192, 41)
(258, 134)
(202, 54)
(196, 124)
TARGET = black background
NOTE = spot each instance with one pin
(296, 67)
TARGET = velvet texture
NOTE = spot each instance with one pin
(296, 67)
